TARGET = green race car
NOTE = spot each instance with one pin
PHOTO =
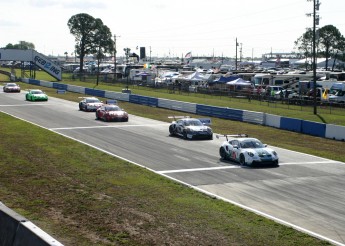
(36, 95)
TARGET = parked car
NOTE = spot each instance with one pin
(284, 94)
(271, 90)
(338, 97)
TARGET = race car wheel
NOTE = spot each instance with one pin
(97, 118)
(242, 160)
(222, 153)
(171, 130)
(184, 134)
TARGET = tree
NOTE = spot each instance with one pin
(83, 26)
(330, 41)
(103, 42)
(127, 52)
(22, 45)
(304, 44)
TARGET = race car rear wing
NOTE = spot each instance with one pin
(178, 117)
(240, 135)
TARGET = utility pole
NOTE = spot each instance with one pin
(150, 54)
(241, 53)
(115, 55)
(316, 6)
(236, 56)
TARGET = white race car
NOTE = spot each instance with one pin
(247, 151)
(90, 104)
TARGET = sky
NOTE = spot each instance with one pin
(170, 28)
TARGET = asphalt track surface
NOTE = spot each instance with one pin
(305, 192)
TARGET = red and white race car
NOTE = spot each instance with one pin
(11, 87)
(111, 112)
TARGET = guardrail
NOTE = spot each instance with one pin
(296, 125)
(17, 230)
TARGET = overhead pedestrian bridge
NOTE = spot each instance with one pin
(34, 57)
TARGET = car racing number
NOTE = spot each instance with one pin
(233, 155)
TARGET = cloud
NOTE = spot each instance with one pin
(75, 4)
(7, 23)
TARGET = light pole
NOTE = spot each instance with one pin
(236, 56)
(150, 54)
(316, 6)
(115, 55)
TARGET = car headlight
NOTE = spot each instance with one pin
(274, 153)
(250, 154)
(209, 130)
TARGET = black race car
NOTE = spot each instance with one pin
(190, 128)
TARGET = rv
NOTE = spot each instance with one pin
(284, 80)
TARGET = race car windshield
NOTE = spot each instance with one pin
(251, 144)
(37, 92)
(92, 100)
(194, 123)
(11, 85)
(112, 109)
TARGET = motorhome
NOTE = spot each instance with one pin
(284, 80)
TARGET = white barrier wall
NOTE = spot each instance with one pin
(177, 105)
(46, 83)
(253, 117)
(335, 132)
(117, 95)
(272, 120)
(76, 89)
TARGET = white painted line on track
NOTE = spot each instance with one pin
(196, 188)
(108, 126)
(24, 105)
(238, 166)
(311, 163)
(197, 169)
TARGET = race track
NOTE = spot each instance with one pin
(305, 192)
